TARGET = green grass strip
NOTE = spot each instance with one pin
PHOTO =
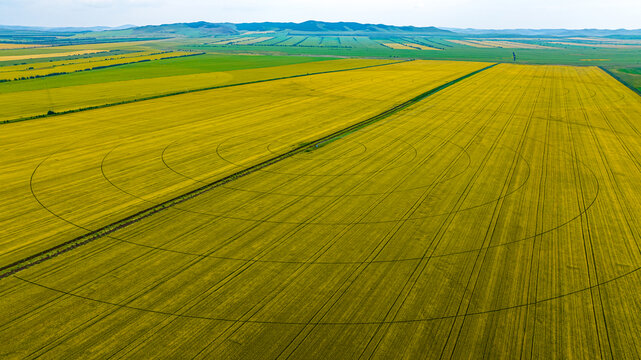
(52, 113)
(619, 79)
(308, 146)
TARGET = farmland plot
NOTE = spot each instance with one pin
(48, 55)
(398, 46)
(47, 179)
(420, 46)
(32, 72)
(82, 60)
(26, 103)
(11, 46)
(496, 218)
(585, 44)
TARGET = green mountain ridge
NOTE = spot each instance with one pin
(311, 26)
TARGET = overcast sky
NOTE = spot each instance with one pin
(502, 14)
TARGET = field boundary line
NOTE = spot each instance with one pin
(54, 251)
(619, 79)
(152, 97)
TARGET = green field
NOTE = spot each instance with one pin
(171, 67)
(630, 74)
(372, 47)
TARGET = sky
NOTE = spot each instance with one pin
(483, 14)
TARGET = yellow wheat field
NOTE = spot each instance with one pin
(48, 55)
(83, 60)
(225, 114)
(399, 46)
(21, 104)
(497, 218)
(421, 47)
(10, 46)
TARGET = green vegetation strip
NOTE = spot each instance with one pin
(56, 113)
(618, 78)
(308, 146)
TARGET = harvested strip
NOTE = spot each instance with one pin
(253, 40)
(258, 32)
(227, 41)
(469, 43)
(242, 40)
(607, 46)
(421, 47)
(499, 44)
(397, 46)
(49, 55)
(7, 46)
(511, 45)
(606, 40)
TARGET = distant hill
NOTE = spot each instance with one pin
(321, 26)
(200, 28)
(64, 29)
(203, 28)
(547, 32)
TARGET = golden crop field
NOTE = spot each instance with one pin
(435, 209)
(48, 55)
(21, 104)
(421, 47)
(399, 46)
(291, 111)
(134, 44)
(87, 65)
(6, 46)
(83, 60)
